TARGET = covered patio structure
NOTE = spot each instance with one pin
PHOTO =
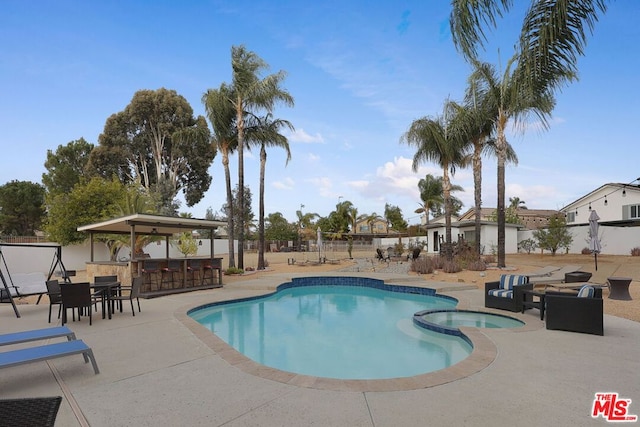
(155, 225)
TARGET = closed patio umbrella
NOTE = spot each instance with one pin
(594, 241)
(319, 237)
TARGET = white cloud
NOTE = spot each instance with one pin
(284, 184)
(299, 135)
(313, 157)
(324, 186)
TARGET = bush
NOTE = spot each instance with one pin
(635, 251)
(233, 270)
(490, 259)
(438, 262)
(477, 265)
(451, 267)
(586, 251)
(422, 265)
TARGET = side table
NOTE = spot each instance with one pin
(530, 303)
(619, 288)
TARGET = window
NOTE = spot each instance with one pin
(571, 217)
(634, 211)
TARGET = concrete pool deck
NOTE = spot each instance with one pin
(159, 369)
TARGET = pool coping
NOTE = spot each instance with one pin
(483, 354)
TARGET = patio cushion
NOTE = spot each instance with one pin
(502, 293)
(508, 281)
(586, 291)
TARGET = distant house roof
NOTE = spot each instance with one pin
(530, 218)
(615, 186)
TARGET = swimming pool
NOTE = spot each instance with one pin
(340, 327)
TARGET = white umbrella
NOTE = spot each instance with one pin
(594, 241)
(319, 237)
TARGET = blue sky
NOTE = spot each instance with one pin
(360, 72)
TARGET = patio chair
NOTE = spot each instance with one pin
(380, 256)
(55, 298)
(76, 297)
(507, 293)
(133, 292)
(580, 311)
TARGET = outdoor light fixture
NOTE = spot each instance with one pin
(200, 243)
(605, 201)
(624, 192)
(589, 205)
(154, 230)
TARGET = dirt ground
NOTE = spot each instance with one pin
(608, 266)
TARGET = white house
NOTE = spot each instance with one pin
(618, 206)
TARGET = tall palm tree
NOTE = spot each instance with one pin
(436, 140)
(517, 203)
(222, 115)
(251, 94)
(265, 131)
(305, 223)
(371, 221)
(477, 124)
(551, 39)
(509, 103)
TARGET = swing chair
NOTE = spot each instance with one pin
(20, 285)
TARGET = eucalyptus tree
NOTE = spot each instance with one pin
(66, 166)
(437, 140)
(551, 39)
(157, 141)
(222, 116)
(251, 94)
(265, 132)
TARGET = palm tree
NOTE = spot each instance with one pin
(437, 140)
(265, 131)
(371, 221)
(515, 203)
(250, 94)
(551, 39)
(305, 223)
(508, 102)
(432, 197)
(221, 115)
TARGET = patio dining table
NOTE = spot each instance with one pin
(107, 290)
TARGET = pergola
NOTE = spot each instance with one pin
(154, 225)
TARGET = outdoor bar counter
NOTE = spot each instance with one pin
(162, 276)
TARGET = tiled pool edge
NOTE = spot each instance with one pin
(483, 354)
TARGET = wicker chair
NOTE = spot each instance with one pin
(507, 293)
(570, 312)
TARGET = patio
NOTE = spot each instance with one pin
(156, 371)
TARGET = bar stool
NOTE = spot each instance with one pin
(208, 269)
(151, 269)
(173, 267)
(194, 267)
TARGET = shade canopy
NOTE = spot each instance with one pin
(151, 224)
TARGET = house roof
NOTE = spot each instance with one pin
(151, 224)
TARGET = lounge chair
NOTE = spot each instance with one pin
(544, 271)
(555, 277)
(46, 352)
(37, 334)
(380, 256)
(575, 312)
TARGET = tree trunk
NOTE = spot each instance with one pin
(241, 225)
(501, 152)
(230, 221)
(263, 161)
(477, 192)
(446, 187)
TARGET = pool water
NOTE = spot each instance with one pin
(343, 332)
(457, 318)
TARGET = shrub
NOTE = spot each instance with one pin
(438, 262)
(635, 251)
(234, 270)
(422, 265)
(586, 251)
(477, 265)
(528, 245)
(489, 259)
(451, 267)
